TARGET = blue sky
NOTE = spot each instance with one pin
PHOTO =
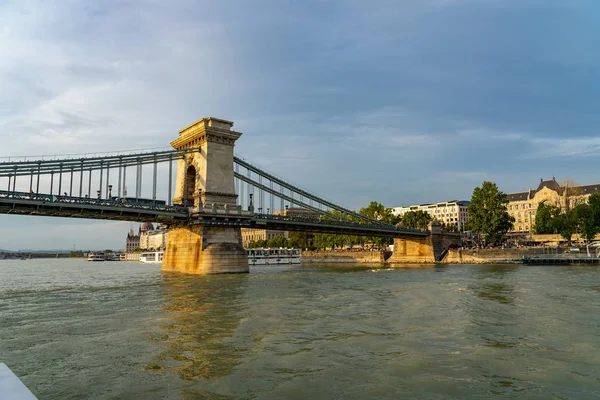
(396, 101)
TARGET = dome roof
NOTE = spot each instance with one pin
(147, 226)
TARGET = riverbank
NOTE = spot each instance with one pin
(478, 256)
(497, 256)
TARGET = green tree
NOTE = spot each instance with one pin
(585, 224)
(594, 203)
(257, 244)
(277, 242)
(416, 219)
(565, 224)
(300, 240)
(547, 219)
(379, 212)
(488, 213)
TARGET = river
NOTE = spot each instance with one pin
(71, 329)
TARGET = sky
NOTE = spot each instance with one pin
(398, 101)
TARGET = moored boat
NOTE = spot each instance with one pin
(152, 257)
(96, 257)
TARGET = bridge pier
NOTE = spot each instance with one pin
(423, 250)
(205, 180)
(199, 249)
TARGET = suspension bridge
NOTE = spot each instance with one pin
(199, 190)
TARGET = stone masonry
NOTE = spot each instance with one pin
(205, 182)
(429, 249)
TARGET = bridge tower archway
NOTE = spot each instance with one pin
(190, 190)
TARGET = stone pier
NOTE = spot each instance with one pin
(205, 183)
(428, 249)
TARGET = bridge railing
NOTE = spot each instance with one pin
(113, 202)
(358, 225)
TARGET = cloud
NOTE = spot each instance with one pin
(398, 102)
(572, 147)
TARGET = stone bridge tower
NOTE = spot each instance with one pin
(205, 177)
(205, 182)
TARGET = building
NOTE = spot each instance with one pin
(523, 205)
(253, 235)
(153, 239)
(450, 212)
(133, 241)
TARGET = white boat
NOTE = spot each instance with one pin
(11, 386)
(96, 257)
(152, 257)
(270, 256)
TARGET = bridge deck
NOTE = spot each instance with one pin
(20, 203)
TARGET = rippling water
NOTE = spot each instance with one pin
(77, 330)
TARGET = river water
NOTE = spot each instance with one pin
(77, 330)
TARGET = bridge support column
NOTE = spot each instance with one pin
(429, 249)
(198, 249)
(412, 250)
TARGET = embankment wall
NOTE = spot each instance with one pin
(342, 257)
(494, 255)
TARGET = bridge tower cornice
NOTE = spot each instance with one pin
(206, 130)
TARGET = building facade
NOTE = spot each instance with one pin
(450, 212)
(153, 239)
(132, 241)
(146, 236)
(254, 235)
(523, 205)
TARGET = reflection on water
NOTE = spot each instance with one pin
(202, 316)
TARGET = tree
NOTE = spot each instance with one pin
(584, 221)
(416, 219)
(565, 224)
(300, 240)
(448, 227)
(379, 212)
(546, 219)
(257, 244)
(594, 203)
(488, 213)
(277, 242)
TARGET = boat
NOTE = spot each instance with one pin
(269, 256)
(152, 257)
(113, 257)
(11, 386)
(96, 257)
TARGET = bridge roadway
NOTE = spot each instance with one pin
(22, 203)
